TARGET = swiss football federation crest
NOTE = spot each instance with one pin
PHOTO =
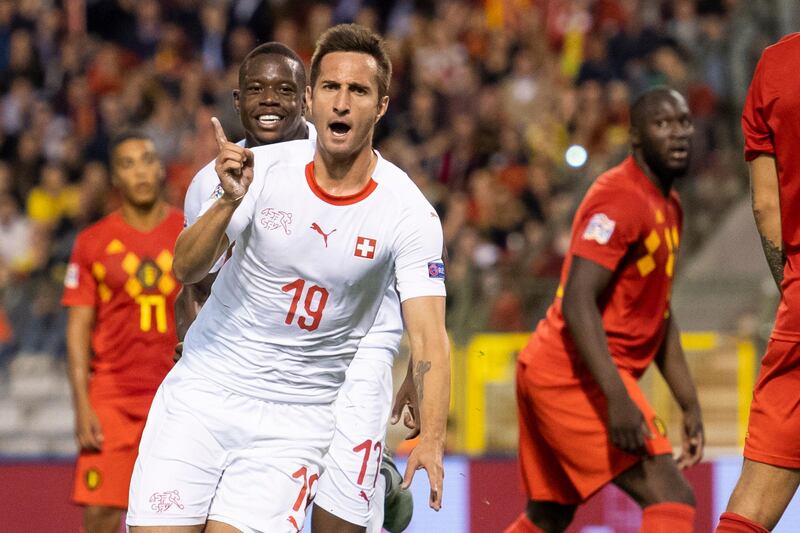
(365, 247)
(275, 219)
(599, 229)
(162, 501)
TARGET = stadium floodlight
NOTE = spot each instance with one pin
(576, 156)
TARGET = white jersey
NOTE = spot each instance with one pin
(307, 276)
(382, 340)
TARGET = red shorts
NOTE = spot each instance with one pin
(773, 432)
(564, 447)
(103, 478)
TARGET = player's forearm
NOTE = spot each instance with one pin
(767, 212)
(430, 360)
(671, 362)
(201, 244)
(184, 312)
(188, 303)
(78, 357)
(585, 325)
(431, 374)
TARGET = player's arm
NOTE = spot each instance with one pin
(586, 283)
(767, 212)
(189, 301)
(430, 353)
(671, 362)
(201, 244)
(80, 321)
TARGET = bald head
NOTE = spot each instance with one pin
(651, 99)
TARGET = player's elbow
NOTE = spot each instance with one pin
(184, 270)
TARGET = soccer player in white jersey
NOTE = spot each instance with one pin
(350, 495)
(237, 432)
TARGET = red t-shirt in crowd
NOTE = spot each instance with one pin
(624, 224)
(771, 125)
(126, 275)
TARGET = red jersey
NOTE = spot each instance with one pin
(624, 224)
(771, 125)
(126, 275)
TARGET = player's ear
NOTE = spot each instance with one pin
(308, 101)
(383, 105)
(236, 100)
(635, 136)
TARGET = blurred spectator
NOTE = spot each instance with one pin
(16, 234)
(54, 199)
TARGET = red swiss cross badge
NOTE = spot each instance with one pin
(365, 247)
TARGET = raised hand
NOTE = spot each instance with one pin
(234, 165)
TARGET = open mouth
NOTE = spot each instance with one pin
(269, 120)
(339, 129)
(679, 152)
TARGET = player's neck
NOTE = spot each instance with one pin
(662, 184)
(144, 219)
(343, 177)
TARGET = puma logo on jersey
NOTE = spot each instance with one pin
(274, 219)
(325, 236)
(363, 495)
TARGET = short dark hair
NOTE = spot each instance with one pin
(642, 103)
(278, 49)
(354, 38)
(123, 137)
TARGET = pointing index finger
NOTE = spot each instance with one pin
(219, 133)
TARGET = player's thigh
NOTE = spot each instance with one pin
(543, 474)
(97, 519)
(352, 464)
(773, 432)
(763, 492)
(655, 479)
(180, 459)
(269, 482)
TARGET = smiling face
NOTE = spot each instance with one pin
(345, 103)
(663, 134)
(270, 100)
(137, 172)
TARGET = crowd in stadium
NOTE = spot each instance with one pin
(486, 97)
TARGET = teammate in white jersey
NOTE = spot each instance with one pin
(352, 488)
(236, 434)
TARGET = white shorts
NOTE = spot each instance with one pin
(210, 454)
(352, 465)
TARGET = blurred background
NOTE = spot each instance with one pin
(502, 111)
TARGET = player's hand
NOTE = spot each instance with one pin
(88, 432)
(234, 165)
(178, 352)
(407, 397)
(627, 426)
(693, 438)
(429, 454)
